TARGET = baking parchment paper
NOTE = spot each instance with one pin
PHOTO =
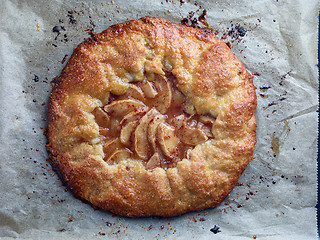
(275, 197)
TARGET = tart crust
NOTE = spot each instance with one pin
(214, 83)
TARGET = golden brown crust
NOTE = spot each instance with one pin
(213, 82)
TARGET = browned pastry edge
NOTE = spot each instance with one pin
(201, 182)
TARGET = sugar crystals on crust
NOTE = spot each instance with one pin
(152, 118)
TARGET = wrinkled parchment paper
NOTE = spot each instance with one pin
(275, 197)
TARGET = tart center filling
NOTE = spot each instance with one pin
(149, 122)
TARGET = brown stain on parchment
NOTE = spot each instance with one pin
(275, 145)
(275, 142)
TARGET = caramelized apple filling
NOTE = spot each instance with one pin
(149, 122)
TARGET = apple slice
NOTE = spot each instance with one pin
(127, 131)
(152, 129)
(178, 121)
(135, 92)
(154, 162)
(178, 99)
(187, 134)
(148, 89)
(122, 107)
(141, 144)
(163, 100)
(110, 146)
(169, 143)
(191, 135)
(132, 116)
(208, 120)
(118, 155)
(206, 129)
(101, 117)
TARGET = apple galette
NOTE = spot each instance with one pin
(152, 118)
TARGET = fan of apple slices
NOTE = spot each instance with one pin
(149, 123)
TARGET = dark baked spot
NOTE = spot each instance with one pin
(215, 229)
(64, 58)
(108, 224)
(241, 31)
(36, 78)
(265, 87)
(72, 20)
(185, 21)
(56, 29)
(192, 21)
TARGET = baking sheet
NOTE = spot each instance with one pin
(275, 197)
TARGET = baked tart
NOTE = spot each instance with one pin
(152, 118)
